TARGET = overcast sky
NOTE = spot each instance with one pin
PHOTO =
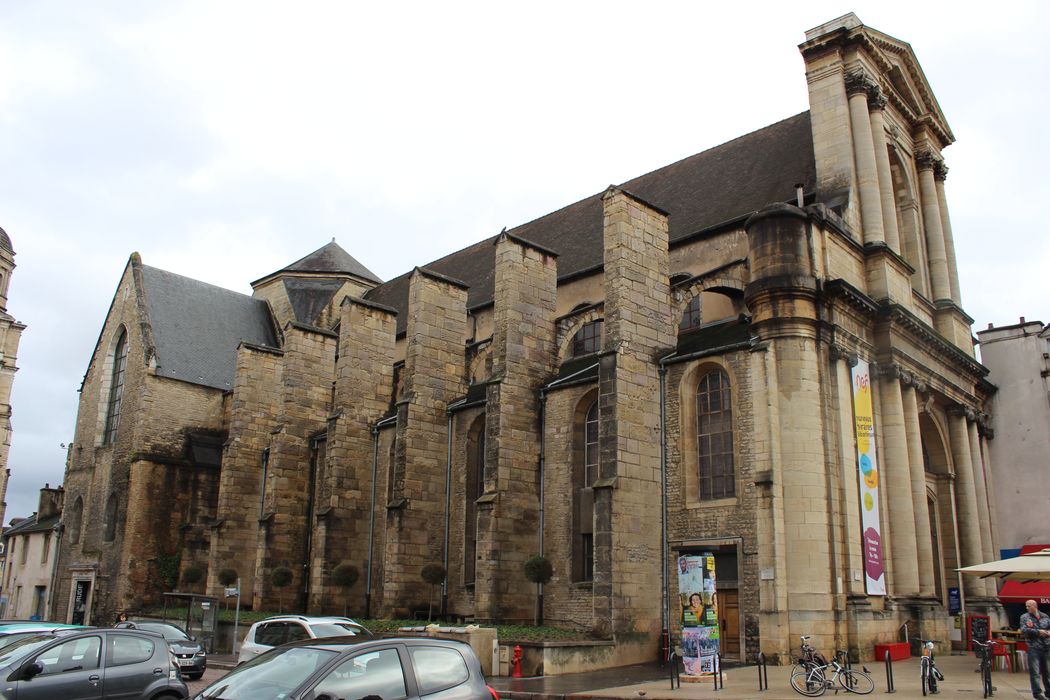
(224, 140)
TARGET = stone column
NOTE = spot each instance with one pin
(898, 485)
(940, 173)
(923, 541)
(876, 105)
(968, 513)
(638, 328)
(523, 355)
(982, 487)
(926, 161)
(858, 87)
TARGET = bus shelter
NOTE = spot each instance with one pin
(198, 615)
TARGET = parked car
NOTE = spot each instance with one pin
(11, 632)
(275, 631)
(91, 664)
(335, 668)
(189, 653)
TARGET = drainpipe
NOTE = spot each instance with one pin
(542, 467)
(448, 502)
(372, 520)
(665, 612)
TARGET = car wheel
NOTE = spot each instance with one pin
(195, 676)
(166, 696)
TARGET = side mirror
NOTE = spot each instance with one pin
(33, 669)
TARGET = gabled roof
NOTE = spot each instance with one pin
(703, 192)
(197, 327)
(32, 524)
(327, 259)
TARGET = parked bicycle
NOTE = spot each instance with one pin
(929, 674)
(813, 679)
(808, 656)
(984, 653)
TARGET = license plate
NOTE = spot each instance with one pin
(185, 662)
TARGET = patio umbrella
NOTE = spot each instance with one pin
(1033, 566)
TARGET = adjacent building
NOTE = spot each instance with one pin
(31, 547)
(757, 352)
(10, 336)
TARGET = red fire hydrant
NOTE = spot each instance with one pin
(516, 673)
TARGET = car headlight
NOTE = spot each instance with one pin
(201, 653)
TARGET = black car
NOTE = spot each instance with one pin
(189, 654)
(94, 664)
(344, 667)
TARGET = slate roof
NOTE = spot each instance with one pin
(328, 259)
(5, 242)
(32, 524)
(197, 327)
(716, 187)
(310, 296)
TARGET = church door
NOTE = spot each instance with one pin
(729, 622)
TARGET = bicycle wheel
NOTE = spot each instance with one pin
(809, 683)
(933, 679)
(856, 682)
(986, 675)
(924, 674)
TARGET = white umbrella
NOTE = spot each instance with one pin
(1034, 566)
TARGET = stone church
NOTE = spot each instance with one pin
(756, 352)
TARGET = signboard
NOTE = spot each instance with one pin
(696, 593)
(954, 601)
(977, 627)
(868, 463)
(80, 596)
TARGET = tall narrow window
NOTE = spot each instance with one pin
(109, 528)
(475, 486)
(691, 315)
(76, 515)
(714, 433)
(588, 339)
(116, 388)
(584, 474)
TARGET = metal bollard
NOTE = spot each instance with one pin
(763, 672)
(889, 673)
(719, 682)
(676, 682)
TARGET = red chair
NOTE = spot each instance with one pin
(1003, 651)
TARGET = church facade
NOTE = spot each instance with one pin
(758, 352)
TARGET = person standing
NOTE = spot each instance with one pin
(1035, 628)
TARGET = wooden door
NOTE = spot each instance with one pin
(729, 622)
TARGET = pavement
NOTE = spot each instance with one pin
(651, 682)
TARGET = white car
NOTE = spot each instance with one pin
(275, 631)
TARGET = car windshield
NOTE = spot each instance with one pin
(171, 633)
(13, 652)
(338, 629)
(271, 676)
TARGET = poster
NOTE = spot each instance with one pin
(696, 593)
(867, 462)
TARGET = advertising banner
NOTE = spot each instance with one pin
(696, 593)
(868, 463)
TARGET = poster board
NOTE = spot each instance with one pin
(977, 627)
(699, 614)
(868, 465)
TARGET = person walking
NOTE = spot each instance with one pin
(1035, 628)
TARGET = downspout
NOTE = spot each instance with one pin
(372, 512)
(448, 501)
(542, 475)
(310, 521)
(665, 612)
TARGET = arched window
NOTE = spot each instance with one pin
(109, 527)
(475, 486)
(116, 388)
(714, 436)
(584, 474)
(588, 339)
(691, 315)
(76, 514)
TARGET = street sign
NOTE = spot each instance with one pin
(231, 592)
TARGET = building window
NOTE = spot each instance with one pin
(39, 599)
(76, 514)
(46, 549)
(475, 486)
(691, 315)
(714, 434)
(588, 339)
(109, 531)
(585, 473)
(25, 549)
(116, 388)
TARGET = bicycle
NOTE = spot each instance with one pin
(929, 674)
(985, 669)
(813, 681)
